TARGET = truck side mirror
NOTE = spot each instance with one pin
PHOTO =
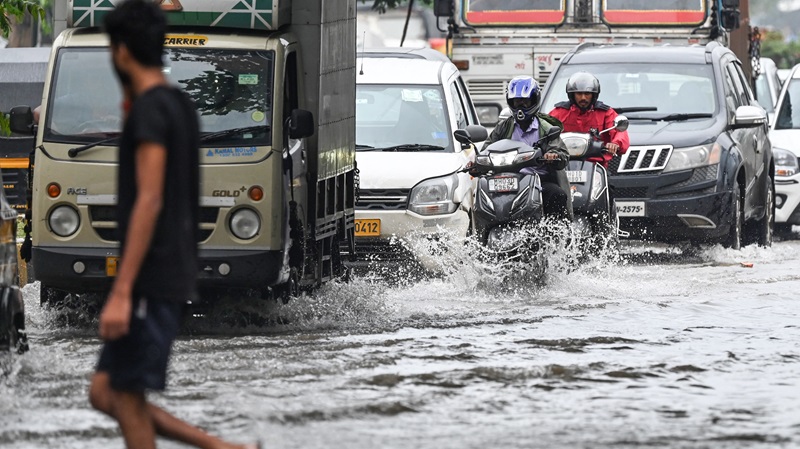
(21, 120)
(301, 124)
(444, 8)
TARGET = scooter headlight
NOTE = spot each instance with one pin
(64, 221)
(483, 160)
(598, 183)
(434, 196)
(503, 159)
(785, 163)
(524, 157)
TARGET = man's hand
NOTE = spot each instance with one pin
(612, 148)
(115, 318)
(550, 156)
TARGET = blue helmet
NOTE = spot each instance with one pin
(523, 96)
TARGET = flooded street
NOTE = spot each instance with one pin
(661, 349)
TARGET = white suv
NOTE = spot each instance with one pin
(408, 103)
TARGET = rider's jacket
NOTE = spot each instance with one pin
(599, 117)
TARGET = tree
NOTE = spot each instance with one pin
(16, 9)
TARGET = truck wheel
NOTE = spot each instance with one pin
(19, 337)
(784, 230)
(734, 239)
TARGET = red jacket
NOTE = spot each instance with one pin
(600, 117)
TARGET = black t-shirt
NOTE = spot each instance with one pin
(166, 116)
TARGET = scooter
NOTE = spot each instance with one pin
(596, 220)
(508, 201)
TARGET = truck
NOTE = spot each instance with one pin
(274, 86)
(491, 41)
(22, 73)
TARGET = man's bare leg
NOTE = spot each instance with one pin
(104, 399)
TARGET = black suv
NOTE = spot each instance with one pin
(700, 165)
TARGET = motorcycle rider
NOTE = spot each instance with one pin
(584, 111)
(528, 125)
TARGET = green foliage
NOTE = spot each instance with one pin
(383, 5)
(5, 126)
(17, 9)
(785, 54)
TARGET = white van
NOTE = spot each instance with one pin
(408, 103)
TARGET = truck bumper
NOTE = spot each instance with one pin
(217, 269)
(705, 217)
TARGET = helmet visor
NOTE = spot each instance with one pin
(521, 103)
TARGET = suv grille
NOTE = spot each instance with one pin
(630, 192)
(382, 199)
(104, 222)
(644, 158)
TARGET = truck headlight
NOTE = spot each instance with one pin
(64, 221)
(693, 157)
(785, 163)
(434, 196)
(245, 224)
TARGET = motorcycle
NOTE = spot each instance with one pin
(508, 199)
(596, 220)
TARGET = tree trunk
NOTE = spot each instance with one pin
(22, 32)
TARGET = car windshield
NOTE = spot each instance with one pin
(231, 89)
(763, 93)
(789, 108)
(388, 115)
(670, 88)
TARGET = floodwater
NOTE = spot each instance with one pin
(661, 348)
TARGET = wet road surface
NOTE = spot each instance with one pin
(660, 349)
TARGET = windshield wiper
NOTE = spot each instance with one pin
(410, 147)
(363, 147)
(680, 117)
(232, 132)
(73, 152)
(635, 109)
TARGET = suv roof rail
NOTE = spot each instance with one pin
(710, 49)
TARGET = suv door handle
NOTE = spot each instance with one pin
(757, 143)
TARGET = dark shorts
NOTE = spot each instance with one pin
(138, 361)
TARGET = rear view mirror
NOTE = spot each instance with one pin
(472, 134)
(21, 120)
(621, 123)
(301, 124)
(443, 8)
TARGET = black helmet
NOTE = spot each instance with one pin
(583, 82)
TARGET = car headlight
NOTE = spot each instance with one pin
(245, 224)
(693, 157)
(434, 196)
(502, 159)
(785, 163)
(64, 221)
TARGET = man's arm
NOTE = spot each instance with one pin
(151, 164)
(618, 138)
(556, 146)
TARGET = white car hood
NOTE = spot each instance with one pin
(787, 139)
(403, 170)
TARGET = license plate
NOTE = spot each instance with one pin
(368, 228)
(503, 184)
(111, 266)
(576, 176)
(631, 209)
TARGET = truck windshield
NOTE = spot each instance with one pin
(789, 109)
(390, 116)
(514, 12)
(669, 88)
(654, 13)
(231, 89)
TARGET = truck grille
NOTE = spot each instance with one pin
(382, 199)
(644, 159)
(487, 88)
(104, 222)
(15, 184)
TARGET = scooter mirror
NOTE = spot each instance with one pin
(621, 123)
(554, 131)
(462, 136)
(477, 133)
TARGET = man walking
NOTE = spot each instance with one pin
(158, 194)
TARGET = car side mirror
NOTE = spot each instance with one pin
(621, 123)
(749, 117)
(301, 124)
(21, 120)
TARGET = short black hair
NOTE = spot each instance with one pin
(140, 25)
